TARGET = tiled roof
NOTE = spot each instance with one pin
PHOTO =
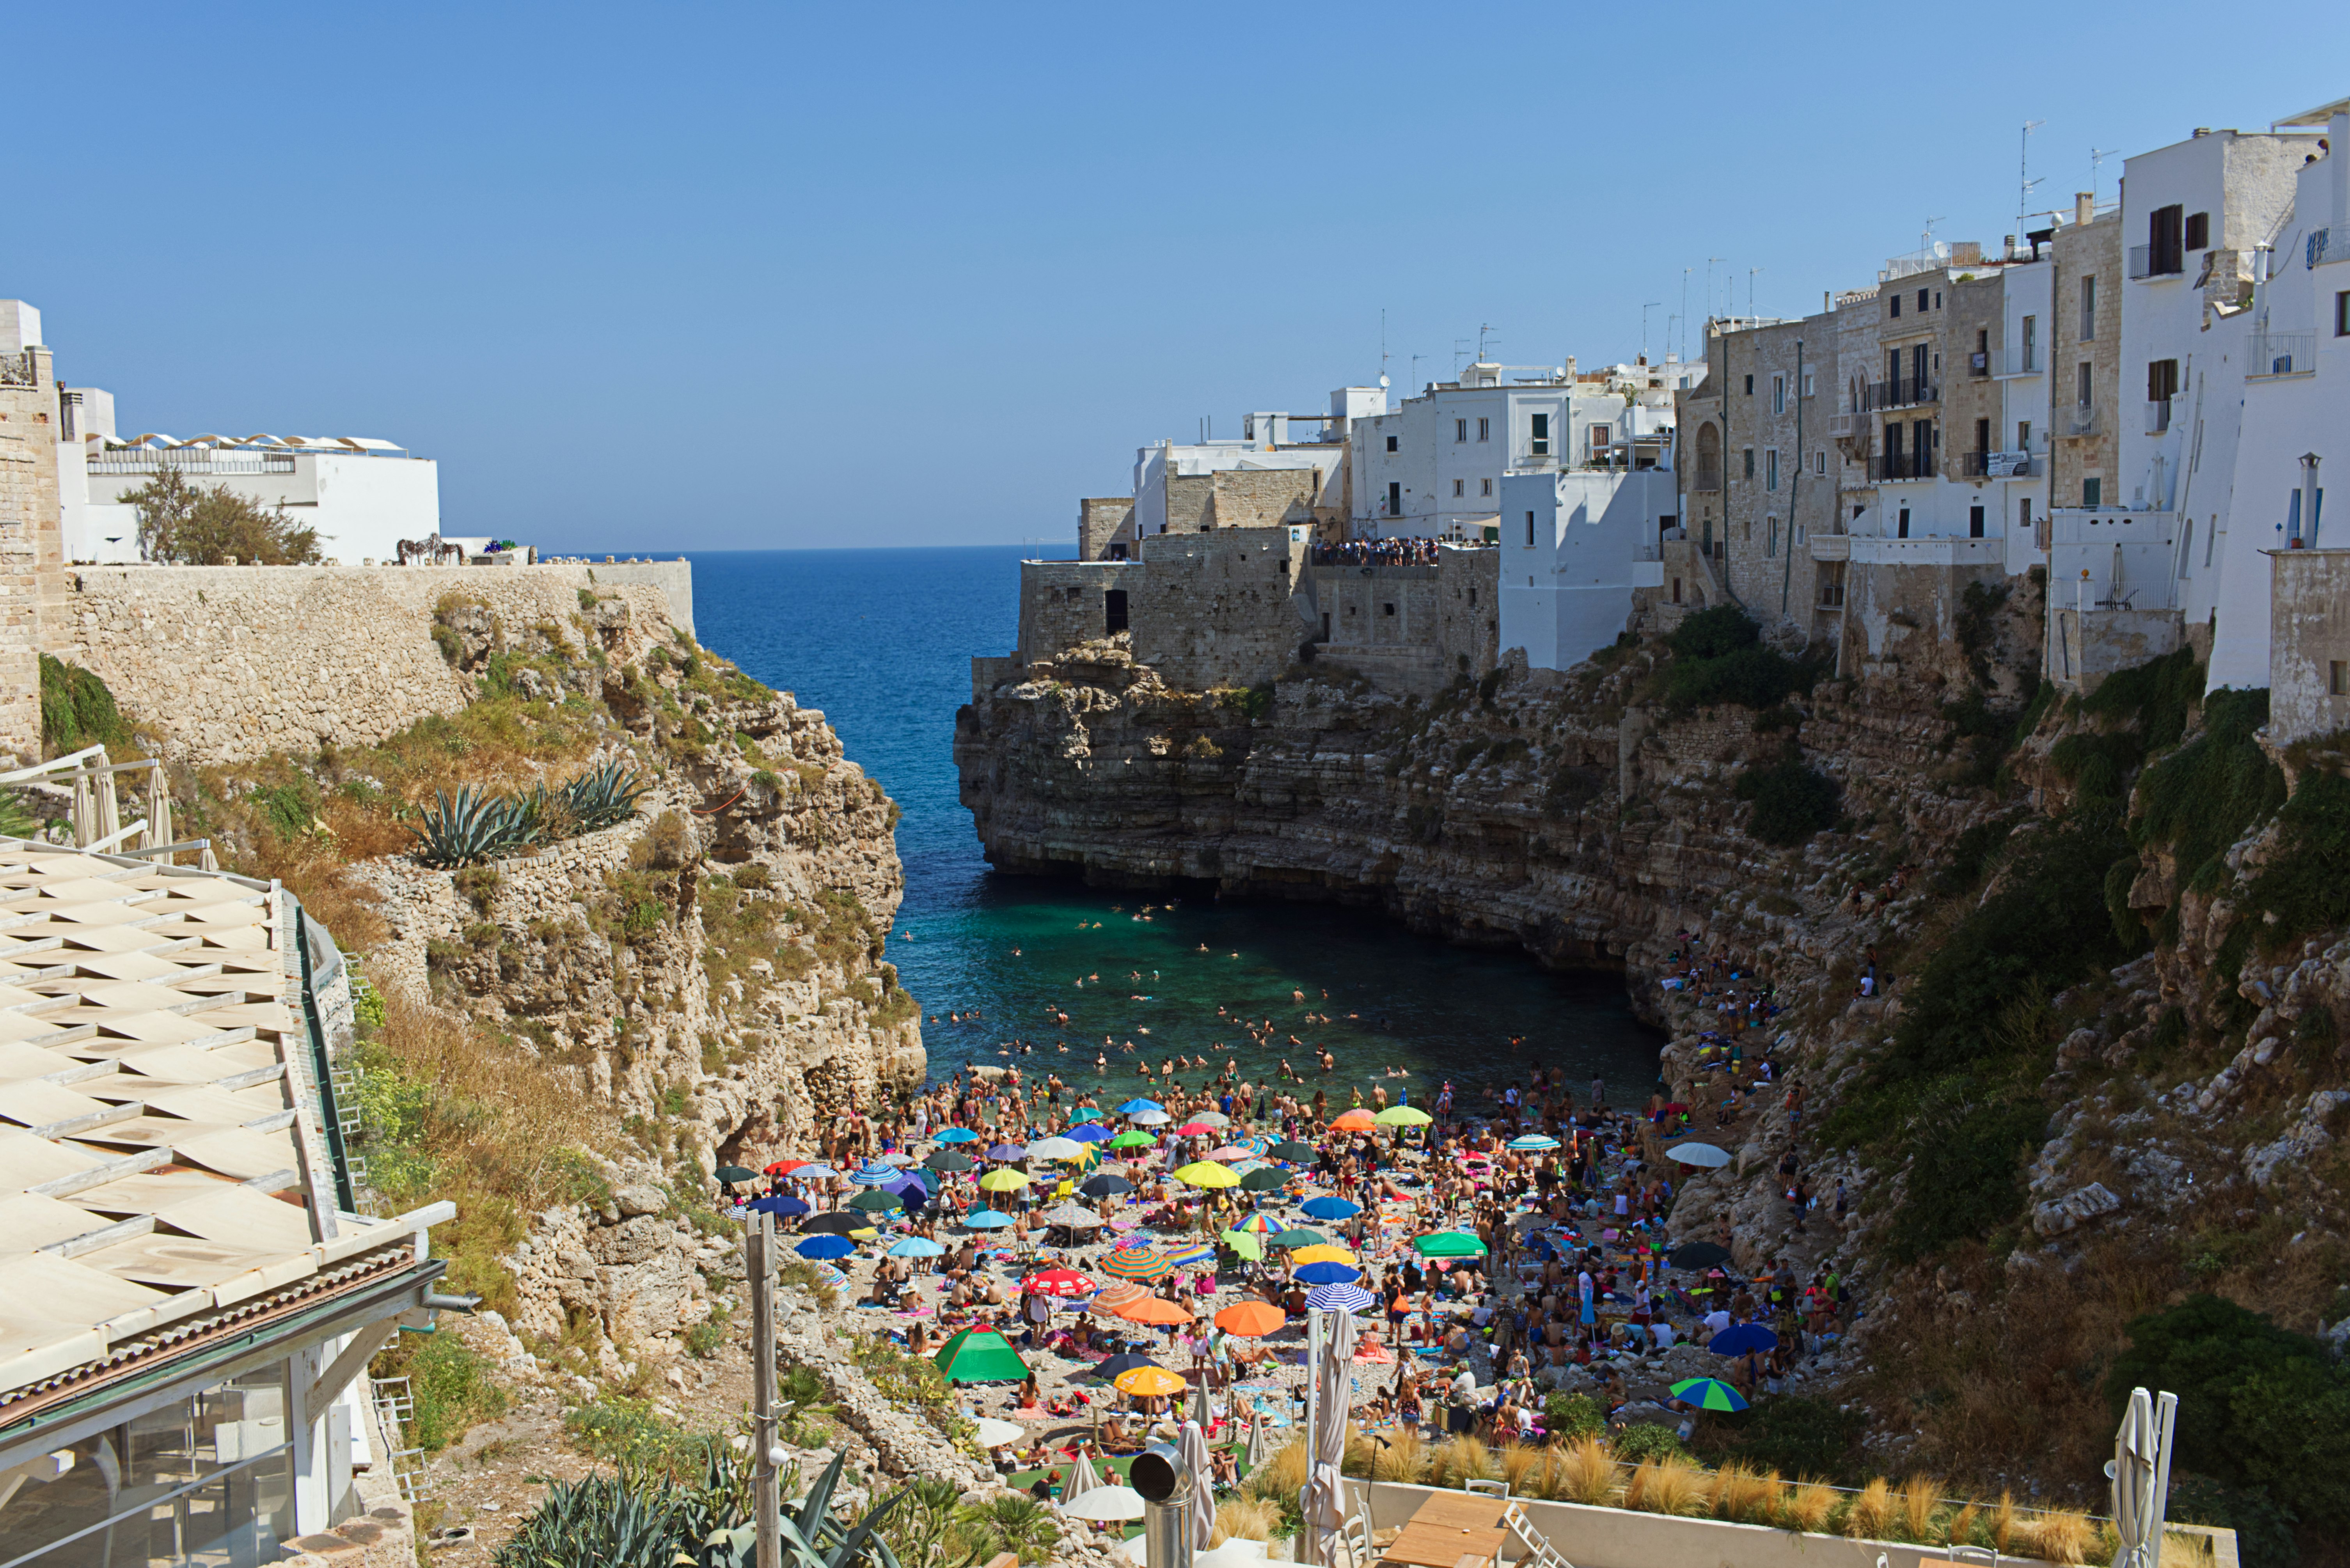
(157, 1128)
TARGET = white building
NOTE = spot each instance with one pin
(1573, 546)
(1268, 441)
(1433, 468)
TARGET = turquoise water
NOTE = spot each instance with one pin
(881, 641)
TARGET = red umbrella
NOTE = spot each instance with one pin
(785, 1166)
(1058, 1282)
(1194, 1129)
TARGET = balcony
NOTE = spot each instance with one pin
(1998, 465)
(2146, 262)
(1979, 363)
(1849, 427)
(1830, 546)
(2281, 353)
(1900, 392)
(201, 459)
(2080, 420)
(2021, 360)
(2157, 416)
(1893, 467)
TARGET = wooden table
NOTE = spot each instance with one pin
(1451, 1529)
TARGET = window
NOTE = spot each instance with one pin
(2161, 380)
(1460, 429)
(1810, 377)
(1459, 487)
(1896, 303)
(2030, 344)
(1750, 463)
(1709, 458)
(1903, 525)
(2093, 489)
(1750, 386)
(1391, 443)
(2337, 678)
(2341, 313)
(1778, 394)
(1770, 535)
(1819, 461)
(1974, 522)
(1395, 499)
(2089, 309)
(2024, 514)
(1770, 469)
(1114, 612)
(2085, 399)
(2165, 249)
(2198, 231)
(1387, 609)
(2186, 549)
(2024, 435)
(1982, 435)
(1602, 438)
(1922, 300)
(1484, 487)
(1530, 530)
(2211, 538)
(1484, 429)
(1538, 439)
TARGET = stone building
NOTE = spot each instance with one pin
(2309, 650)
(31, 556)
(1779, 471)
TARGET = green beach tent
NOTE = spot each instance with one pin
(980, 1356)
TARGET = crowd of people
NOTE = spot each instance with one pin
(1380, 552)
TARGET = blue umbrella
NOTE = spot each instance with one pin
(986, 1220)
(1090, 1132)
(958, 1135)
(1534, 1141)
(1339, 1298)
(925, 1180)
(1007, 1151)
(874, 1174)
(813, 1173)
(1330, 1274)
(918, 1247)
(1330, 1208)
(1136, 1107)
(1117, 1364)
(1086, 1115)
(825, 1247)
(1742, 1337)
(781, 1205)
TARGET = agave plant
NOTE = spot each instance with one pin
(466, 828)
(602, 797)
(810, 1536)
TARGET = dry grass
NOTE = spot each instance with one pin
(1668, 1485)
(1807, 1506)
(1459, 1460)
(1963, 1525)
(1246, 1519)
(1521, 1465)
(1872, 1513)
(1398, 1455)
(2059, 1535)
(1921, 1496)
(1744, 1497)
(1283, 1474)
(1581, 1471)
(2003, 1520)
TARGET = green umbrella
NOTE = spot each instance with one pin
(1291, 1150)
(1709, 1394)
(1241, 1242)
(1403, 1116)
(1265, 1179)
(1298, 1238)
(1449, 1245)
(949, 1159)
(731, 1174)
(876, 1202)
(980, 1356)
(1132, 1140)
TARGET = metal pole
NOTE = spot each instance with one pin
(765, 1500)
(1313, 1543)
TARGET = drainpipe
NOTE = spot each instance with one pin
(1727, 584)
(1794, 486)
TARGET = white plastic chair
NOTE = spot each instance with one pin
(1355, 1531)
(1535, 1550)
(1490, 1488)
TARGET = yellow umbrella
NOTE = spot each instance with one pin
(1325, 1253)
(1004, 1180)
(1403, 1116)
(1208, 1173)
(1147, 1381)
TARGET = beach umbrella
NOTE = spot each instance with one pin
(1533, 1142)
(1251, 1320)
(1056, 1148)
(830, 1276)
(1058, 1282)
(1329, 1274)
(1149, 1382)
(980, 1356)
(1325, 1252)
(876, 1202)
(1260, 1446)
(1111, 1297)
(1232, 1153)
(957, 1134)
(1709, 1394)
(1007, 1151)
(897, 1157)
(1134, 1140)
(1203, 1412)
(917, 1247)
(1137, 1106)
(786, 1167)
(1195, 1129)
(1151, 1118)
(1075, 1216)
(821, 1247)
(1355, 1120)
(993, 1434)
(1109, 1184)
(840, 1222)
(1339, 1298)
(1200, 1515)
(1300, 1237)
(1006, 1180)
(1207, 1173)
(1332, 1375)
(1292, 1150)
(1090, 1132)
(1155, 1311)
(1265, 1178)
(782, 1205)
(1697, 1255)
(1329, 1206)
(1137, 1264)
(1213, 1119)
(1257, 1224)
(729, 1175)
(1081, 1478)
(986, 1220)
(1449, 1245)
(1739, 1338)
(1243, 1245)
(1403, 1116)
(2140, 1471)
(1107, 1504)
(1698, 1154)
(1087, 1115)
(950, 1160)
(812, 1171)
(1188, 1252)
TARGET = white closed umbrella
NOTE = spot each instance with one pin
(1200, 1413)
(1106, 1505)
(1260, 1446)
(1080, 1479)
(993, 1434)
(1323, 1499)
(2140, 1472)
(1193, 1444)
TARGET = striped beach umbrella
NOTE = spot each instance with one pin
(1146, 1264)
(1339, 1298)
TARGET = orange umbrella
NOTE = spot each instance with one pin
(1154, 1310)
(1358, 1120)
(1325, 1253)
(1148, 1381)
(1251, 1320)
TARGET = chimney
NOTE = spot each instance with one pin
(2085, 207)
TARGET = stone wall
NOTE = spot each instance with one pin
(1064, 603)
(1100, 519)
(2079, 251)
(1410, 628)
(2309, 640)
(1221, 608)
(31, 554)
(228, 663)
(1263, 497)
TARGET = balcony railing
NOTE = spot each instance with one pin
(2080, 420)
(1845, 427)
(1888, 466)
(2157, 416)
(2145, 262)
(2021, 359)
(1998, 465)
(2282, 354)
(1901, 391)
(1830, 546)
(1979, 363)
(187, 460)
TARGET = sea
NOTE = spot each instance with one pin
(1052, 976)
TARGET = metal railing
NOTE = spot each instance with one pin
(2144, 263)
(187, 459)
(1900, 392)
(1901, 465)
(19, 370)
(1997, 465)
(1845, 427)
(2021, 359)
(2320, 243)
(2157, 416)
(2281, 353)
(2081, 420)
(1979, 362)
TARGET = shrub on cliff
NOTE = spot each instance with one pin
(1792, 802)
(1719, 657)
(210, 526)
(78, 711)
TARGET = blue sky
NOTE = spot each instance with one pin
(745, 276)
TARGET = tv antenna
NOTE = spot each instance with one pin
(1645, 308)
(1383, 347)
(2024, 181)
(1482, 332)
(1460, 346)
(2098, 155)
(1750, 292)
(1710, 262)
(1416, 384)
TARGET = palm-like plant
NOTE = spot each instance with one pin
(603, 797)
(466, 828)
